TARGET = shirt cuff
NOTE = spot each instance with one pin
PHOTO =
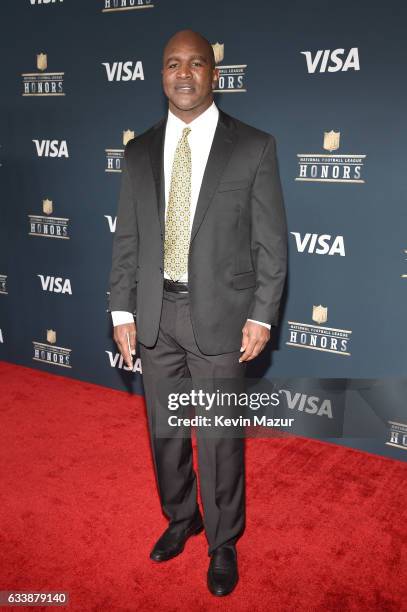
(260, 323)
(119, 317)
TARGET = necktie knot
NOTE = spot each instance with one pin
(185, 132)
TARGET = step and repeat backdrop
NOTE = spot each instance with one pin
(82, 77)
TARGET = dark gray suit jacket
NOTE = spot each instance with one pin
(238, 250)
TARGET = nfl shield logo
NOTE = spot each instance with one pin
(127, 135)
(331, 140)
(42, 61)
(51, 336)
(219, 52)
(47, 207)
(320, 314)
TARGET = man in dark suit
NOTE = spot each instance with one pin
(199, 258)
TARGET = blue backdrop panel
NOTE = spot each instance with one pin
(328, 82)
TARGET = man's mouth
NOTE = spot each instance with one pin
(184, 88)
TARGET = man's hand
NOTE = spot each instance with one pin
(125, 336)
(254, 339)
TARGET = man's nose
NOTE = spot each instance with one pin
(184, 72)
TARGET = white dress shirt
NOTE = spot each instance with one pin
(200, 141)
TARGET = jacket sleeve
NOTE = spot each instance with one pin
(268, 237)
(122, 281)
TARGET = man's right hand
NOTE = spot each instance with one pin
(124, 335)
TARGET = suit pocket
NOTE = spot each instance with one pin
(233, 185)
(244, 281)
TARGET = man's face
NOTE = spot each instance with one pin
(188, 73)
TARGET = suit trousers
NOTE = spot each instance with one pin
(174, 359)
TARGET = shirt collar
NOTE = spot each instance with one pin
(206, 119)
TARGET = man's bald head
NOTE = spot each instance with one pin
(190, 38)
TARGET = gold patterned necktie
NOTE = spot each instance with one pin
(177, 225)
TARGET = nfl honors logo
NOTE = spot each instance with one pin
(43, 83)
(397, 435)
(47, 226)
(127, 135)
(111, 6)
(329, 167)
(48, 352)
(231, 78)
(114, 157)
(219, 52)
(42, 62)
(331, 140)
(320, 314)
(318, 337)
(3, 284)
(51, 336)
(47, 206)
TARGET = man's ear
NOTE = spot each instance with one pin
(215, 77)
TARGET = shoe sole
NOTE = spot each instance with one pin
(196, 532)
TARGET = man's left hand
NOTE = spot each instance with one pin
(254, 339)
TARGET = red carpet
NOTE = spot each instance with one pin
(326, 526)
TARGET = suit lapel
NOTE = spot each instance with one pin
(157, 165)
(222, 146)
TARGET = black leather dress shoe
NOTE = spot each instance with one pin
(172, 542)
(222, 573)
